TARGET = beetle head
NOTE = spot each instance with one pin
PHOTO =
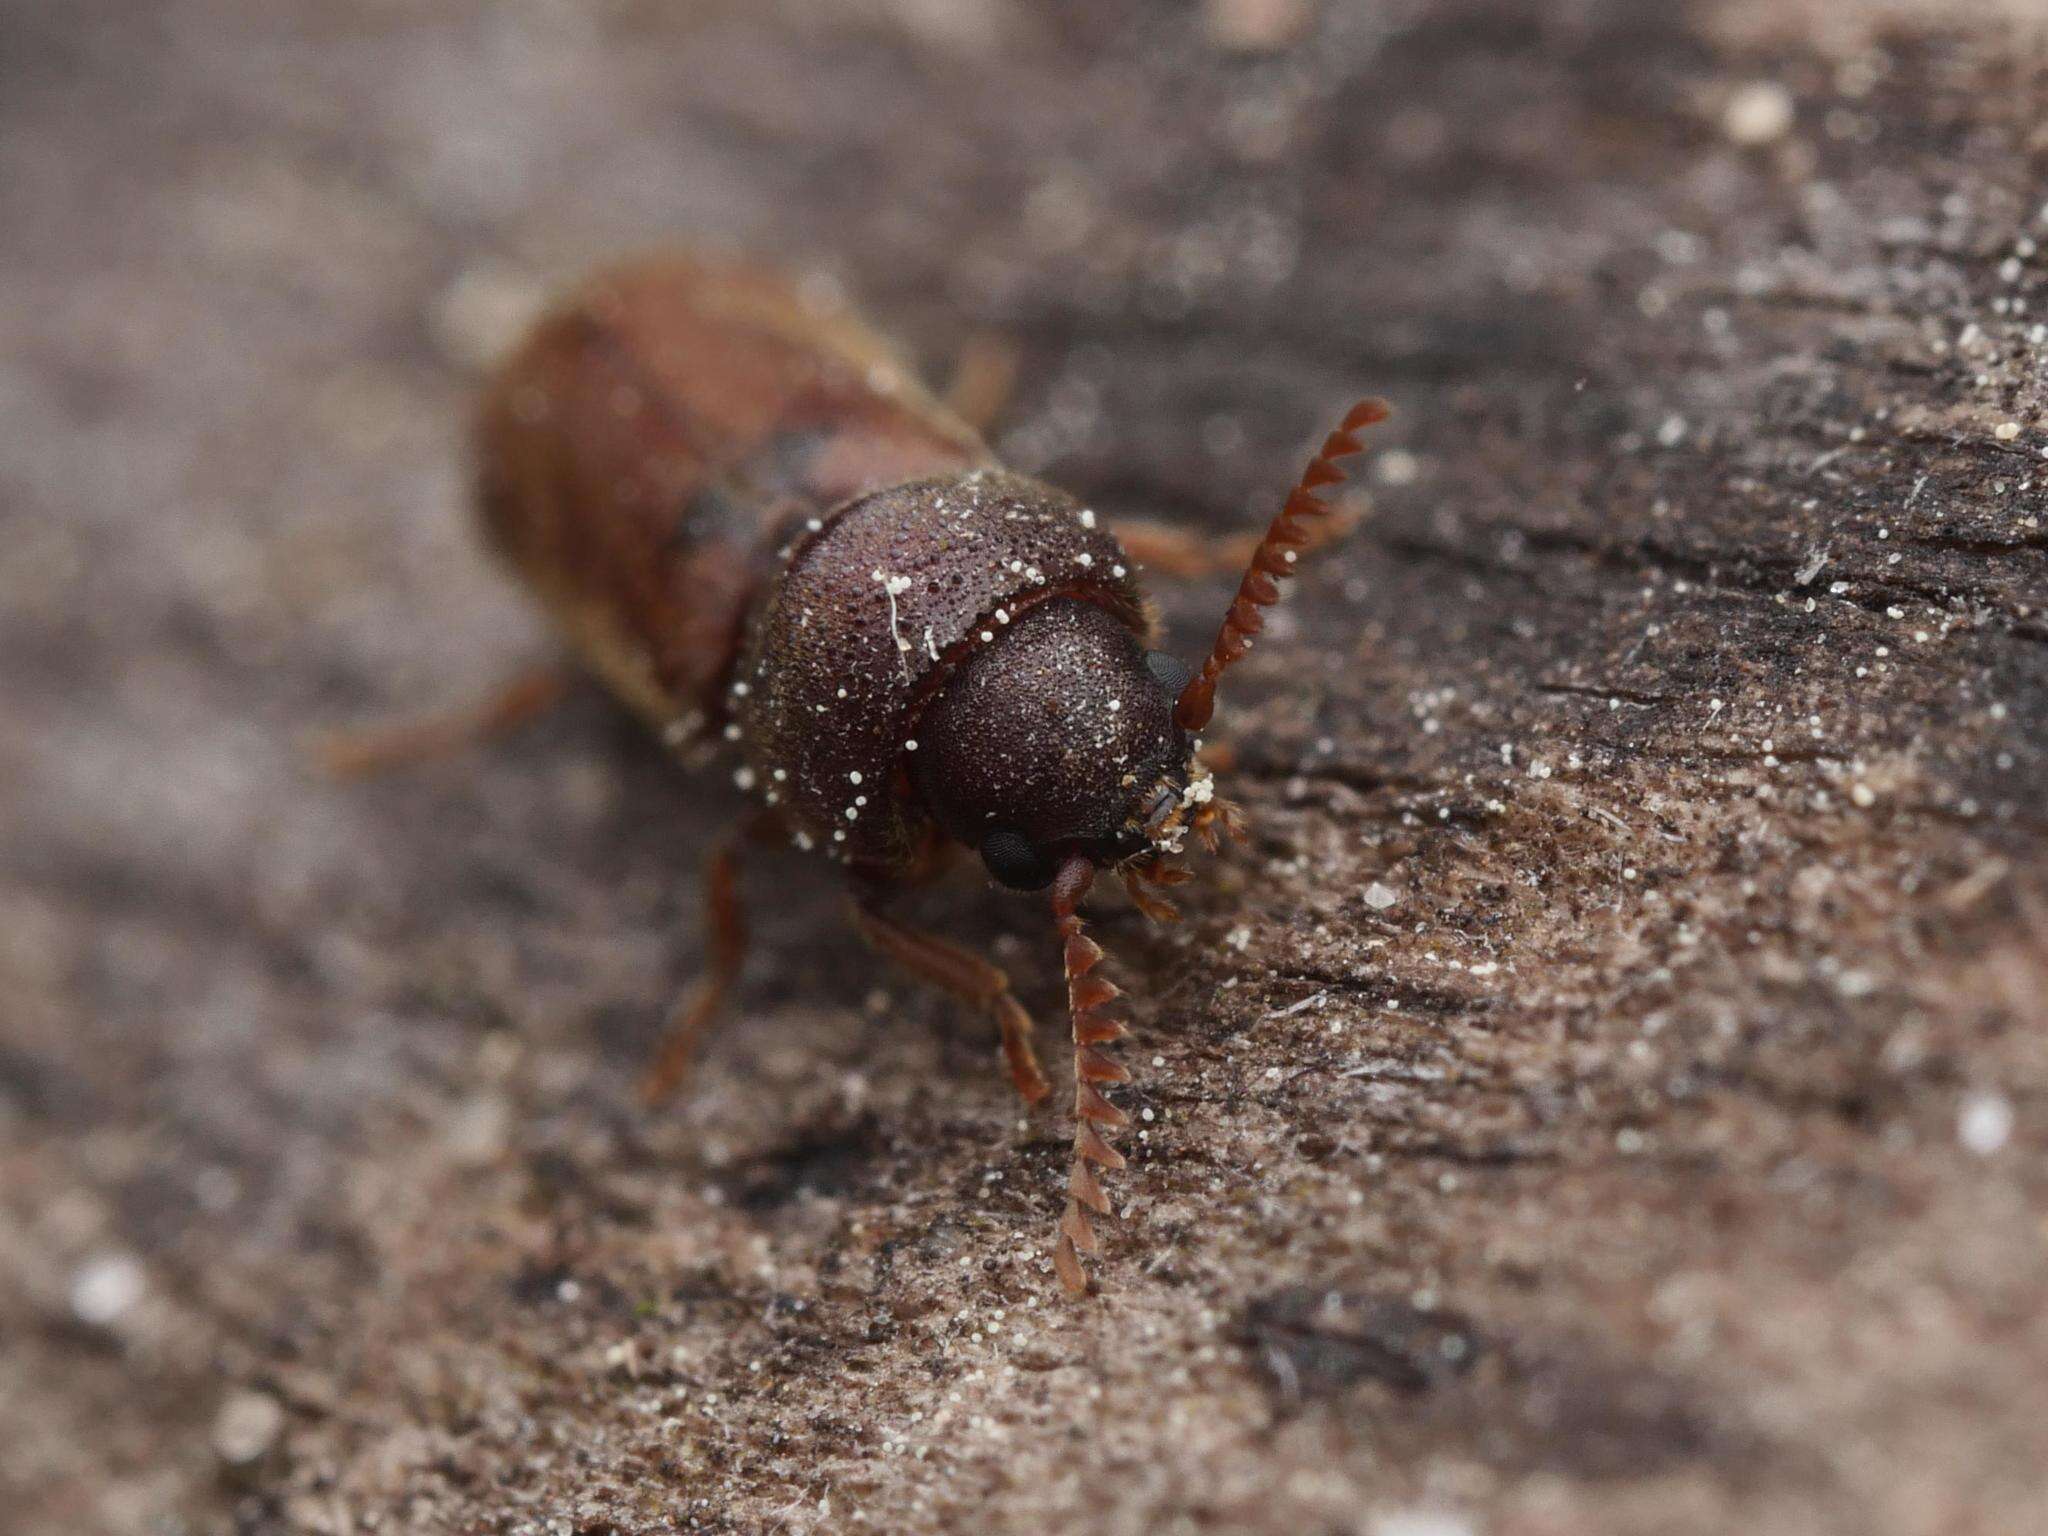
(1058, 739)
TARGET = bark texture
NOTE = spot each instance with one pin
(1610, 1092)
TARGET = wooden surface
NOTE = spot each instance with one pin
(1609, 1093)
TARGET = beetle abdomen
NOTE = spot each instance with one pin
(872, 614)
(654, 443)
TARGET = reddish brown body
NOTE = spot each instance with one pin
(749, 518)
(658, 438)
(757, 529)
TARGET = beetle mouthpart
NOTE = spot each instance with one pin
(1140, 873)
(1174, 806)
(1164, 804)
(1216, 820)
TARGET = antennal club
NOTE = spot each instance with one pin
(1273, 562)
(1086, 996)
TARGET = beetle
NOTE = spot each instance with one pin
(755, 527)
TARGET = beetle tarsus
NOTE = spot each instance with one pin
(725, 946)
(363, 751)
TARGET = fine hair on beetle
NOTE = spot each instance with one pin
(750, 522)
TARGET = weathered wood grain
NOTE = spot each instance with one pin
(1609, 1094)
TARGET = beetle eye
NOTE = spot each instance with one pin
(1169, 670)
(1014, 862)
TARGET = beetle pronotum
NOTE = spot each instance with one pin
(759, 532)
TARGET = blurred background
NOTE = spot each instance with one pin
(1685, 1176)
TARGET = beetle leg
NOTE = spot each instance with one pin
(984, 377)
(725, 948)
(1187, 553)
(967, 976)
(1190, 553)
(357, 752)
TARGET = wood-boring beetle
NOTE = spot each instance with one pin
(754, 526)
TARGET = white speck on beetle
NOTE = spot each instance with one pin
(892, 587)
